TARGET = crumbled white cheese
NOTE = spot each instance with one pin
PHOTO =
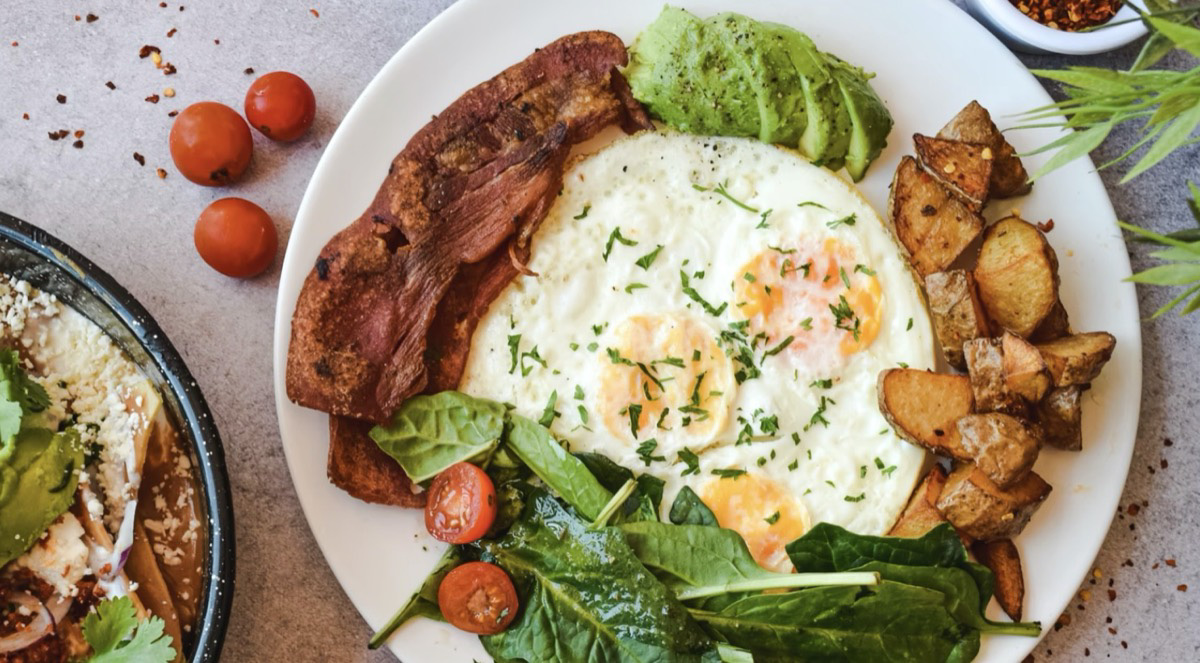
(60, 556)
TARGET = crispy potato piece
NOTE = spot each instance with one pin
(985, 366)
(922, 406)
(977, 506)
(958, 316)
(973, 124)
(1025, 372)
(921, 514)
(1061, 416)
(1017, 275)
(964, 168)
(1077, 359)
(932, 224)
(1055, 326)
(1004, 447)
(1002, 558)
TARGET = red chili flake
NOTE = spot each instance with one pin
(62, 98)
(1112, 596)
(171, 32)
(1182, 588)
(248, 71)
(180, 7)
(1112, 631)
(1163, 463)
(162, 174)
(315, 13)
(1124, 645)
(15, 44)
(152, 98)
(1133, 509)
(1154, 566)
(79, 133)
(217, 42)
(1168, 443)
(1046, 226)
(53, 135)
(1068, 15)
(92, 18)
(110, 85)
(77, 17)
(163, 5)
(146, 50)
(139, 158)
(173, 113)
(1087, 652)
(168, 69)
(24, 116)
(77, 145)
(1170, 562)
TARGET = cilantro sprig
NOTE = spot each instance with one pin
(116, 636)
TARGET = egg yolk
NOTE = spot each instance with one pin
(665, 379)
(816, 294)
(763, 512)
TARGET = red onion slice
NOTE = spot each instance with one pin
(41, 626)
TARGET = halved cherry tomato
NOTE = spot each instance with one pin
(461, 505)
(478, 597)
(236, 237)
(281, 106)
(211, 144)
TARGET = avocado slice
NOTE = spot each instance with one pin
(37, 484)
(819, 90)
(869, 118)
(774, 81)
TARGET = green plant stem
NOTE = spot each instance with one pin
(782, 581)
(617, 500)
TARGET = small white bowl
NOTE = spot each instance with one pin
(1022, 33)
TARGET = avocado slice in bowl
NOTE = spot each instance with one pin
(869, 118)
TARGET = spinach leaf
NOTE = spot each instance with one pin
(689, 509)
(962, 595)
(561, 471)
(642, 504)
(888, 622)
(424, 602)
(585, 597)
(430, 433)
(828, 547)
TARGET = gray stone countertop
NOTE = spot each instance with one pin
(287, 606)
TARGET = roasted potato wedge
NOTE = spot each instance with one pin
(1025, 372)
(973, 124)
(922, 406)
(1002, 558)
(1017, 274)
(976, 505)
(1004, 447)
(985, 366)
(1061, 417)
(921, 514)
(1077, 359)
(1055, 326)
(964, 168)
(958, 316)
(933, 225)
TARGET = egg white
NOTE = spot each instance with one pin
(660, 188)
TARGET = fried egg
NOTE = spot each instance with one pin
(715, 312)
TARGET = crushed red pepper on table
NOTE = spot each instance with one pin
(1068, 15)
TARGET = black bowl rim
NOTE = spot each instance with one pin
(198, 420)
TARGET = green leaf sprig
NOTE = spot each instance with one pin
(1181, 261)
(1098, 100)
(116, 636)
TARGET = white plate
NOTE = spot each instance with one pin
(931, 59)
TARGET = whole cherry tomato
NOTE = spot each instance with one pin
(211, 144)
(461, 505)
(236, 237)
(478, 597)
(281, 106)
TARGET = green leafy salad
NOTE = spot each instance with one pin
(571, 562)
(730, 75)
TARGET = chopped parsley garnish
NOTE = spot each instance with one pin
(769, 425)
(728, 474)
(635, 286)
(583, 215)
(796, 438)
(514, 345)
(695, 355)
(827, 383)
(818, 417)
(635, 414)
(583, 415)
(887, 471)
(549, 413)
(781, 251)
(856, 498)
(615, 236)
(844, 317)
(845, 220)
(662, 417)
(737, 346)
(645, 261)
(864, 269)
(806, 324)
(810, 203)
(788, 268)
(701, 413)
(695, 296)
(722, 191)
(902, 364)
(862, 472)
(845, 279)
(615, 356)
(599, 329)
(650, 374)
(696, 388)
(688, 457)
(831, 484)
(878, 463)
(793, 465)
(762, 223)
(578, 393)
(909, 327)
(669, 361)
(593, 346)
(645, 451)
(772, 519)
(573, 346)
(749, 277)
(526, 369)
(778, 348)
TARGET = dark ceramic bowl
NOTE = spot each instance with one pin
(29, 253)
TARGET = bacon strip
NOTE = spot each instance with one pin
(471, 185)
